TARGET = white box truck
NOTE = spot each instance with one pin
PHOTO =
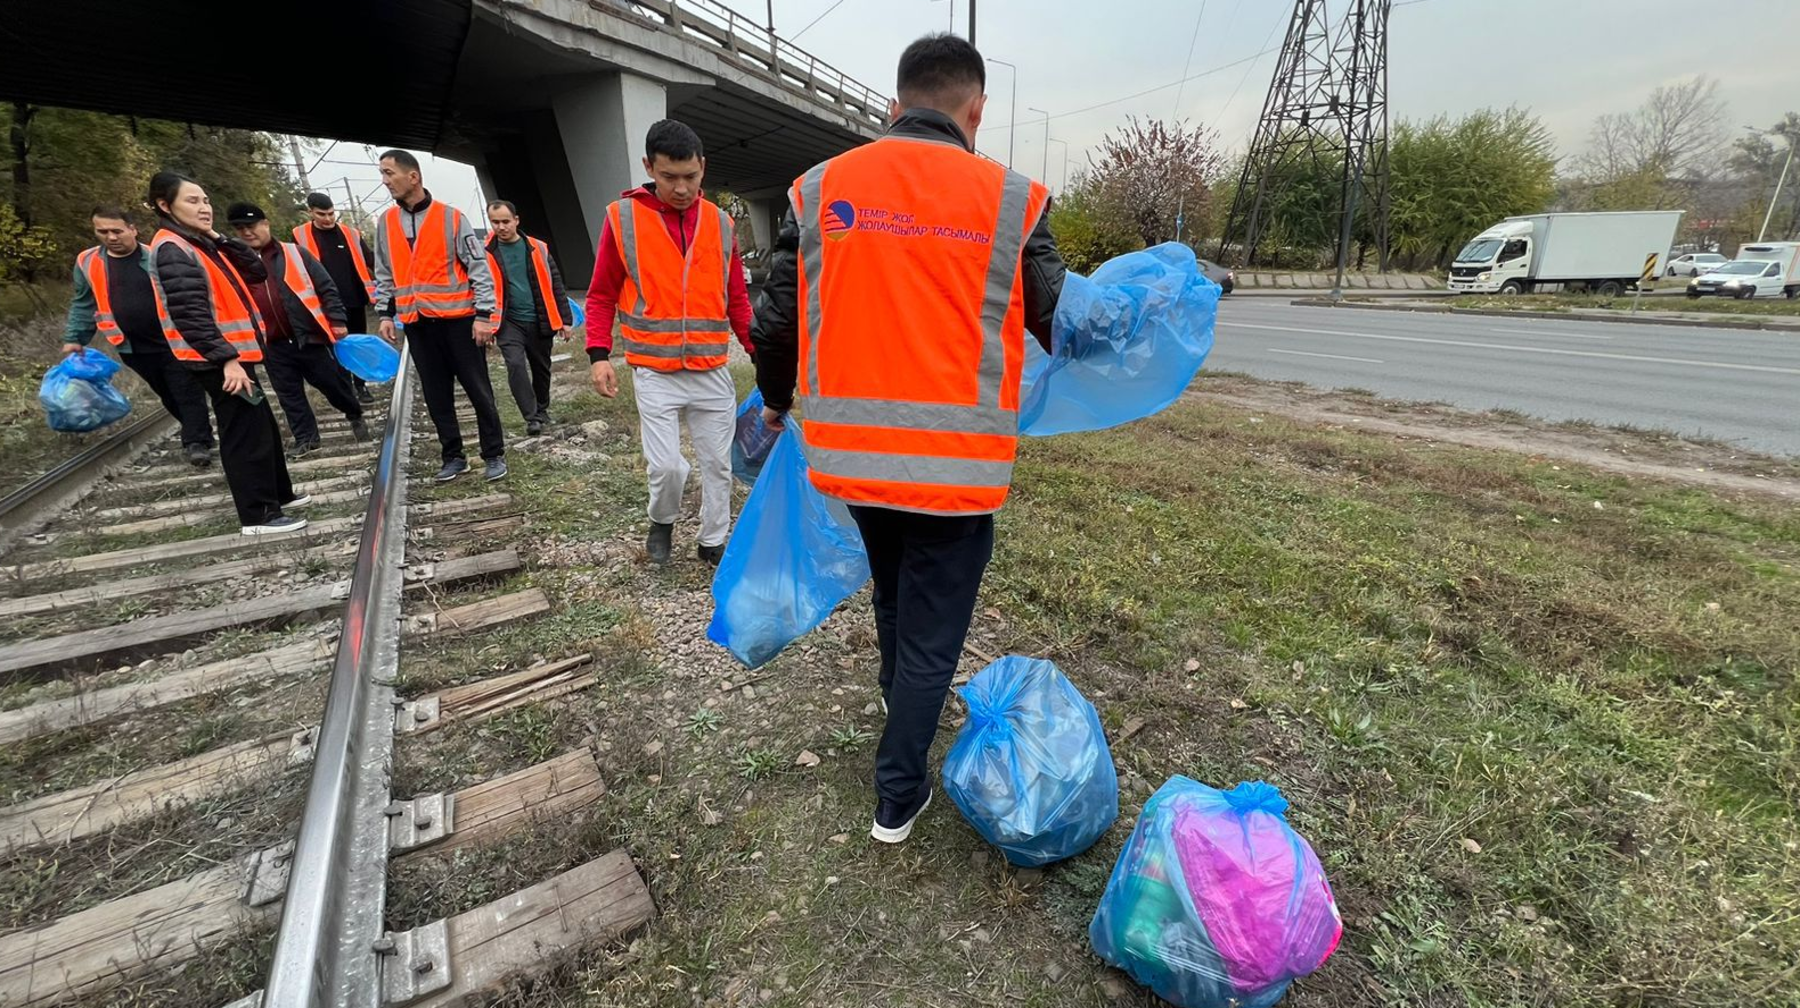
(1599, 252)
(1761, 269)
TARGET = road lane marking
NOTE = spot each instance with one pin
(1303, 353)
(1547, 332)
(1768, 369)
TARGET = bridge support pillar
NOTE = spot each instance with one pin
(602, 123)
(765, 223)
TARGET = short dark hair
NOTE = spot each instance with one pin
(165, 186)
(402, 158)
(508, 204)
(941, 72)
(318, 201)
(112, 211)
(674, 140)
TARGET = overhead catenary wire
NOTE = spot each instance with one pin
(815, 21)
(1139, 94)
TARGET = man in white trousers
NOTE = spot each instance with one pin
(668, 274)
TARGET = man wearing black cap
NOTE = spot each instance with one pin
(302, 314)
(346, 255)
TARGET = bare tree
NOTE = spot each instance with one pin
(1678, 132)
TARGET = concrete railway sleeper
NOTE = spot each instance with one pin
(339, 587)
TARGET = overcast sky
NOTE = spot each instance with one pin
(1566, 60)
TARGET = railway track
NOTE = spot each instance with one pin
(197, 733)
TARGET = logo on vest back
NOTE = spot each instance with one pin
(840, 219)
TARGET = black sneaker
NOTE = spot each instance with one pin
(198, 455)
(302, 450)
(363, 395)
(452, 469)
(659, 544)
(710, 555)
(496, 469)
(275, 526)
(894, 821)
(533, 429)
(359, 429)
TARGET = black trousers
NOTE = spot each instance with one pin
(249, 449)
(928, 571)
(357, 319)
(292, 368)
(445, 353)
(526, 349)
(174, 384)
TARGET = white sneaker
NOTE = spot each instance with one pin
(897, 828)
(275, 526)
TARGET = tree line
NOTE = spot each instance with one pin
(1449, 177)
(61, 163)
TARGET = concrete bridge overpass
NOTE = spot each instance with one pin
(548, 99)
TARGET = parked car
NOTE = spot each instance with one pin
(1225, 278)
(1695, 263)
(1745, 279)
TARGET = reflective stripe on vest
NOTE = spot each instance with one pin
(540, 270)
(234, 314)
(678, 318)
(300, 282)
(307, 240)
(912, 324)
(429, 279)
(93, 263)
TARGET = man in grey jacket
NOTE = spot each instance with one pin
(431, 276)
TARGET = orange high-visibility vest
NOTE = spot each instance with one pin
(235, 315)
(540, 277)
(429, 279)
(912, 324)
(672, 308)
(93, 263)
(307, 240)
(300, 282)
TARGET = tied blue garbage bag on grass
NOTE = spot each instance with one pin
(1030, 769)
(77, 393)
(752, 441)
(370, 358)
(792, 558)
(1125, 344)
(1216, 902)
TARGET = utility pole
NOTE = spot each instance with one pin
(971, 22)
(299, 162)
(1785, 165)
(354, 206)
(1012, 112)
(1044, 173)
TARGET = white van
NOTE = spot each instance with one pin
(1763, 269)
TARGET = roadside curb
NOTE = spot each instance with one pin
(1723, 323)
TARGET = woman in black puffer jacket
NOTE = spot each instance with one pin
(200, 278)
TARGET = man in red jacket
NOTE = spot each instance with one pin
(671, 255)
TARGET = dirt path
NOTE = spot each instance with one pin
(1647, 454)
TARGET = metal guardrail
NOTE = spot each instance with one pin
(327, 949)
(30, 504)
(756, 49)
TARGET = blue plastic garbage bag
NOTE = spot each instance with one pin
(1030, 769)
(370, 358)
(577, 317)
(792, 558)
(752, 441)
(77, 393)
(1216, 902)
(1125, 344)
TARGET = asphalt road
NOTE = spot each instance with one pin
(1735, 386)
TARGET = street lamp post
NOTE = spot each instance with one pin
(1065, 168)
(1779, 182)
(1046, 168)
(1012, 113)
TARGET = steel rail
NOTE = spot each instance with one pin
(24, 508)
(326, 948)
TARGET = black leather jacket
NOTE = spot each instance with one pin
(776, 333)
(188, 296)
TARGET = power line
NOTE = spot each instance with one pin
(1140, 94)
(1188, 64)
(814, 21)
(1251, 69)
